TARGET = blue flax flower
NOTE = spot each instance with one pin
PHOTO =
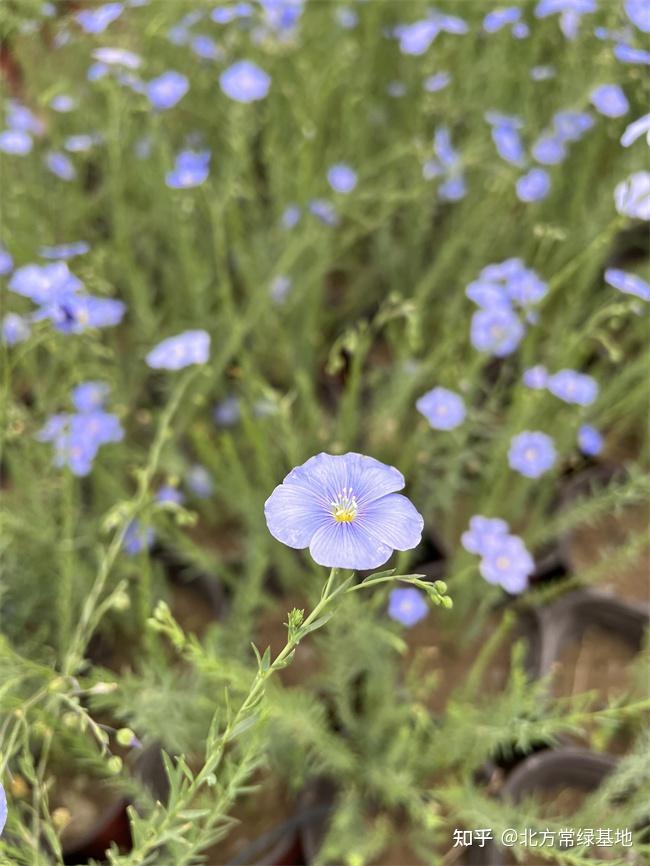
(90, 396)
(627, 54)
(244, 81)
(324, 211)
(437, 82)
(137, 538)
(167, 90)
(59, 164)
(97, 20)
(638, 11)
(13, 329)
(533, 186)
(3, 809)
(290, 216)
(497, 331)
(549, 150)
(344, 508)
(282, 15)
(506, 563)
(508, 143)
(117, 57)
(590, 440)
(632, 196)
(45, 283)
(183, 350)
(573, 387)
(63, 103)
(536, 377)
(443, 409)
(199, 481)
(416, 38)
(500, 18)
(482, 532)
(20, 118)
(629, 284)
(65, 251)
(531, 453)
(15, 142)
(572, 125)
(610, 100)
(205, 47)
(407, 606)
(635, 130)
(6, 262)
(171, 494)
(342, 178)
(76, 313)
(191, 169)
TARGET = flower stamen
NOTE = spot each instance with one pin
(344, 507)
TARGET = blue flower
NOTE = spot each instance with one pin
(443, 409)
(499, 18)
(610, 100)
(549, 150)
(482, 532)
(244, 81)
(225, 14)
(542, 73)
(416, 38)
(74, 314)
(3, 809)
(45, 283)
(572, 125)
(488, 295)
(290, 216)
(199, 481)
(167, 90)
(342, 178)
(174, 353)
(97, 20)
(570, 12)
(573, 387)
(137, 538)
(628, 54)
(117, 57)
(407, 606)
(191, 169)
(19, 117)
(345, 509)
(531, 453)
(524, 287)
(63, 103)
(452, 189)
(280, 288)
(536, 377)
(168, 493)
(635, 130)
(282, 15)
(15, 142)
(346, 18)
(14, 329)
(520, 30)
(97, 71)
(324, 211)
(59, 164)
(533, 186)
(437, 82)
(590, 440)
(65, 251)
(508, 143)
(638, 11)
(227, 413)
(497, 331)
(90, 396)
(630, 284)
(506, 563)
(6, 262)
(205, 47)
(632, 196)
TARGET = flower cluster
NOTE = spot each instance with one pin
(504, 558)
(446, 165)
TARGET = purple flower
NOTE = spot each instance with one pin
(45, 283)
(520, 30)
(416, 38)
(632, 196)
(77, 438)
(628, 54)
(499, 18)
(524, 287)
(572, 125)
(635, 130)
(507, 563)
(444, 149)
(482, 532)
(573, 387)
(531, 453)
(244, 81)
(59, 164)
(345, 509)
(630, 284)
(225, 14)
(590, 441)
(533, 186)
(638, 11)
(497, 331)
(536, 377)
(137, 538)
(65, 251)
(437, 82)
(174, 353)
(227, 413)
(97, 71)
(610, 100)
(168, 493)
(324, 211)
(199, 481)
(63, 103)
(282, 15)
(74, 314)
(21, 118)
(342, 178)
(90, 396)
(191, 169)
(6, 262)
(15, 142)
(549, 150)
(3, 809)
(407, 606)
(167, 90)
(443, 409)
(14, 329)
(452, 189)
(97, 20)
(117, 57)
(508, 143)
(205, 47)
(488, 295)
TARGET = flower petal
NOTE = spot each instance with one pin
(328, 474)
(348, 545)
(294, 514)
(393, 520)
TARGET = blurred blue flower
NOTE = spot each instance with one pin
(635, 130)
(520, 30)
(449, 23)
(437, 82)
(65, 251)
(45, 283)
(76, 313)
(531, 453)
(14, 329)
(138, 538)
(570, 12)
(482, 533)
(199, 481)
(342, 178)
(573, 387)
(508, 143)
(396, 89)
(117, 57)
(15, 142)
(97, 20)
(290, 216)
(488, 295)
(632, 196)
(627, 54)
(324, 211)
(97, 71)
(79, 143)
(183, 350)
(549, 150)
(638, 11)
(59, 164)
(167, 90)
(499, 18)
(19, 117)
(280, 288)
(407, 606)
(171, 494)
(6, 262)
(572, 125)
(205, 47)
(347, 18)
(63, 103)
(507, 563)
(630, 284)
(416, 38)
(282, 15)
(452, 189)
(497, 331)
(542, 73)
(610, 100)
(227, 413)
(590, 440)
(443, 147)
(345, 509)
(525, 288)
(244, 81)
(225, 14)
(90, 396)
(191, 169)
(443, 409)
(533, 186)
(535, 377)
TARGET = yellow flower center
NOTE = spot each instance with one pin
(344, 507)
(503, 562)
